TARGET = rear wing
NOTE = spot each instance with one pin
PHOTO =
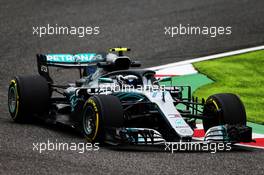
(78, 61)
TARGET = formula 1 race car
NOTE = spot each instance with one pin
(113, 102)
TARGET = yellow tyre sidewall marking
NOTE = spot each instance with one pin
(214, 102)
(217, 108)
(92, 102)
(17, 97)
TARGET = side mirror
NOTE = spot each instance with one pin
(105, 80)
(165, 79)
(130, 77)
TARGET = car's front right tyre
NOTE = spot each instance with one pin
(225, 108)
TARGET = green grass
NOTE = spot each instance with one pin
(240, 74)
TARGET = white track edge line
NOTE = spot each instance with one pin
(250, 146)
(208, 57)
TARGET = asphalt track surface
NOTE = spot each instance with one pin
(139, 25)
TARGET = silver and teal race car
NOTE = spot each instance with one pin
(116, 102)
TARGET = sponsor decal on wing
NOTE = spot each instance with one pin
(78, 58)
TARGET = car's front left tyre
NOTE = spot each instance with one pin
(101, 114)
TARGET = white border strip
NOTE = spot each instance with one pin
(208, 57)
(249, 146)
(177, 70)
(237, 144)
(254, 136)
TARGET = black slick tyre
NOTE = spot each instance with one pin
(28, 95)
(101, 114)
(224, 108)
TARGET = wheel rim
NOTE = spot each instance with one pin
(89, 121)
(12, 99)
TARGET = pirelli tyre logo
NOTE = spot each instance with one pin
(90, 101)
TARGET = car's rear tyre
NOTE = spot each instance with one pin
(223, 109)
(27, 95)
(101, 114)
